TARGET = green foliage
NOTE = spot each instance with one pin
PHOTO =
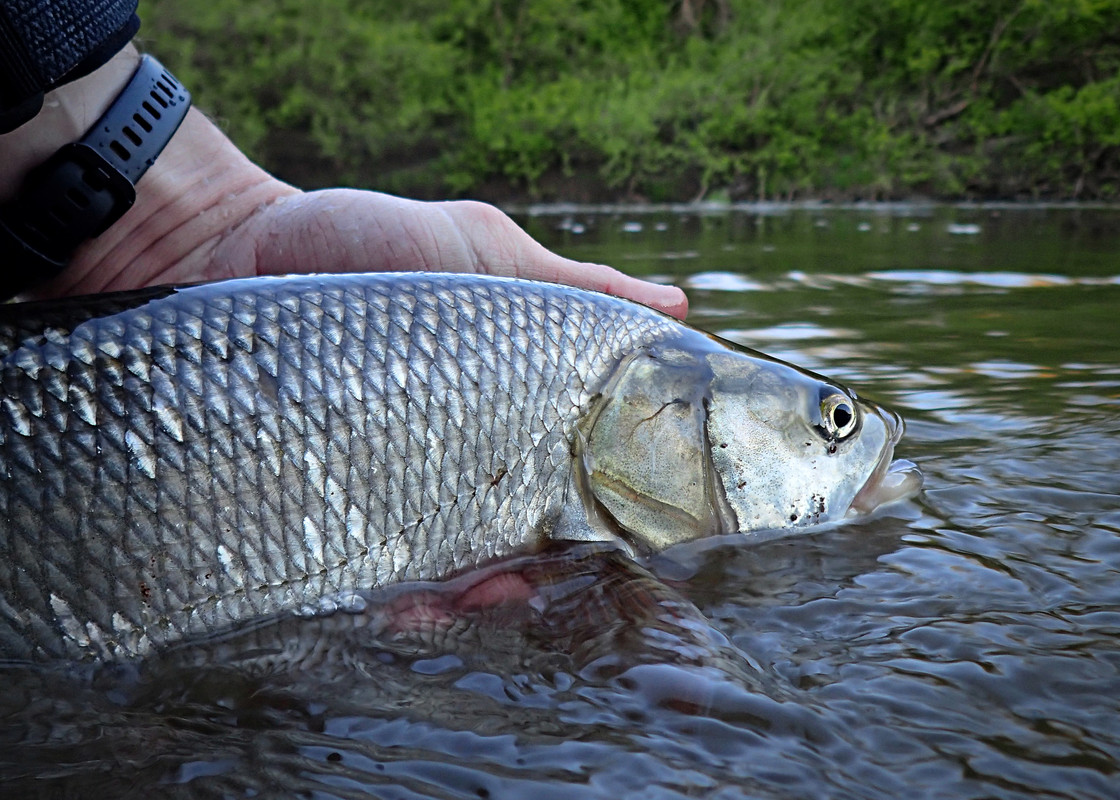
(329, 83)
(667, 99)
(1065, 137)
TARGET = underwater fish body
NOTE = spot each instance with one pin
(176, 462)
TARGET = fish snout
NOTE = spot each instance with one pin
(892, 479)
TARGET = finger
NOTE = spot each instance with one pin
(501, 246)
(601, 278)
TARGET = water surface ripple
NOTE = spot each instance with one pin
(963, 644)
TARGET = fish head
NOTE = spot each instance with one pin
(790, 448)
(688, 442)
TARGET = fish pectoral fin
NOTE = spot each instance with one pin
(579, 519)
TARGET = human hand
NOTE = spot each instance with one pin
(345, 230)
(204, 211)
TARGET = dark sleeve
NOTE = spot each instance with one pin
(45, 43)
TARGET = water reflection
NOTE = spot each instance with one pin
(976, 650)
(963, 644)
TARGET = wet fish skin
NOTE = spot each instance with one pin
(191, 460)
(230, 450)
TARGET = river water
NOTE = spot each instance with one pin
(964, 644)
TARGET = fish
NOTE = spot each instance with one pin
(184, 460)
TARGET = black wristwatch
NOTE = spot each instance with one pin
(88, 185)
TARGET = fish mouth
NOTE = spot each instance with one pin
(891, 480)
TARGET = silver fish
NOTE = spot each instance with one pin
(199, 457)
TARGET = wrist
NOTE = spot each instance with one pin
(68, 112)
(197, 189)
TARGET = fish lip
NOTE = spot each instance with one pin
(891, 479)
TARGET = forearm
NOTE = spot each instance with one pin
(198, 187)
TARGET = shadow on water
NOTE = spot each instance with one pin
(963, 644)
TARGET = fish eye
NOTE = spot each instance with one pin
(839, 417)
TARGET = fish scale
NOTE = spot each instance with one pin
(222, 452)
(177, 462)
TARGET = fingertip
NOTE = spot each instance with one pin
(672, 300)
(665, 298)
(600, 277)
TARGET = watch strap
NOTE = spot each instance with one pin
(141, 121)
(88, 185)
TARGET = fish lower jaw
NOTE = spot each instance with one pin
(890, 482)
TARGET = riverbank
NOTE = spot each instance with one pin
(659, 100)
